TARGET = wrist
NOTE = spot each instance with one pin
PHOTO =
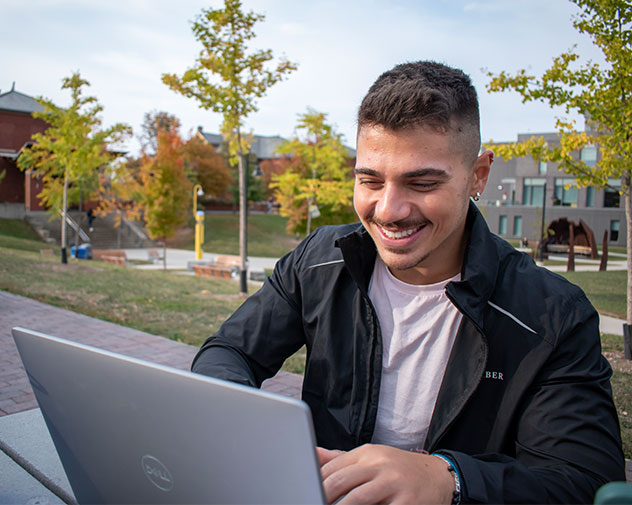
(456, 478)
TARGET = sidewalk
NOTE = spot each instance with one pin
(15, 391)
(616, 261)
(177, 259)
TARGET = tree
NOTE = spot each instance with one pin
(155, 122)
(227, 80)
(164, 190)
(601, 94)
(68, 155)
(318, 182)
(208, 166)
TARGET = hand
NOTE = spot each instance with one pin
(382, 474)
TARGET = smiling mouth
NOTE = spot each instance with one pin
(399, 234)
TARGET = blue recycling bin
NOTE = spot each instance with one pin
(83, 252)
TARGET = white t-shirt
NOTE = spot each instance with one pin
(419, 326)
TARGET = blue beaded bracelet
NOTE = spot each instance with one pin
(456, 496)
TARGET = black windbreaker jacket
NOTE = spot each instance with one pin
(525, 407)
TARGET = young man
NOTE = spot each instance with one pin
(442, 364)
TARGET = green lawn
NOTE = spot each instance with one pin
(184, 308)
(606, 290)
(266, 235)
(17, 228)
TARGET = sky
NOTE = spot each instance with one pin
(340, 46)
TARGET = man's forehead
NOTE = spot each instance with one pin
(444, 143)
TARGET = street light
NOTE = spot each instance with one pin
(199, 222)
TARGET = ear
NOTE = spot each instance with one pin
(480, 172)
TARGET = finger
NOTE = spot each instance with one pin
(369, 492)
(326, 455)
(343, 474)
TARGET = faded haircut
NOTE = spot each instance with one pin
(425, 93)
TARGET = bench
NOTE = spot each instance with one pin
(223, 267)
(155, 256)
(564, 249)
(212, 271)
(227, 261)
(113, 256)
(115, 260)
(98, 254)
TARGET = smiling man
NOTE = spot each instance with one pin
(443, 366)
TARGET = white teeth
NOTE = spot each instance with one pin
(399, 234)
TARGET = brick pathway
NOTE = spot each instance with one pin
(15, 391)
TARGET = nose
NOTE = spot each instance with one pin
(393, 204)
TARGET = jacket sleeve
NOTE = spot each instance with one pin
(266, 329)
(567, 438)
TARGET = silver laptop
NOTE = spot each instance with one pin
(129, 431)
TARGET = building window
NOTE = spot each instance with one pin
(542, 168)
(611, 197)
(517, 226)
(565, 194)
(614, 230)
(533, 192)
(590, 196)
(589, 155)
(502, 225)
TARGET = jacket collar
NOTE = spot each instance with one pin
(478, 274)
(358, 252)
(479, 271)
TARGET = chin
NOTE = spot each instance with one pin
(404, 262)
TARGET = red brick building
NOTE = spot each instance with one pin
(18, 190)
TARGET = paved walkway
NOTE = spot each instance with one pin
(616, 261)
(178, 259)
(15, 391)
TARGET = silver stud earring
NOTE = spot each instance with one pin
(477, 196)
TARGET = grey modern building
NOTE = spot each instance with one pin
(521, 191)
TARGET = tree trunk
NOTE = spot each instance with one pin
(628, 222)
(309, 216)
(243, 223)
(64, 253)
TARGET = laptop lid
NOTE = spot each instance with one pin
(130, 431)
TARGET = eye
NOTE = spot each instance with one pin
(370, 183)
(423, 185)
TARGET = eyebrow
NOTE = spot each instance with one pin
(420, 172)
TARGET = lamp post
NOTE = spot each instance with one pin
(199, 222)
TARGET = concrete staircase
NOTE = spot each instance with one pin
(105, 235)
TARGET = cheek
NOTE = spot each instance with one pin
(441, 207)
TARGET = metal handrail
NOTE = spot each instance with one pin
(137, 230)
(75, 226)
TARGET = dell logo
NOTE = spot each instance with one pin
(157, 473)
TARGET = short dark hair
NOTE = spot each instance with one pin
(425, 93)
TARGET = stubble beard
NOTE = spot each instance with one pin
(395, 265)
